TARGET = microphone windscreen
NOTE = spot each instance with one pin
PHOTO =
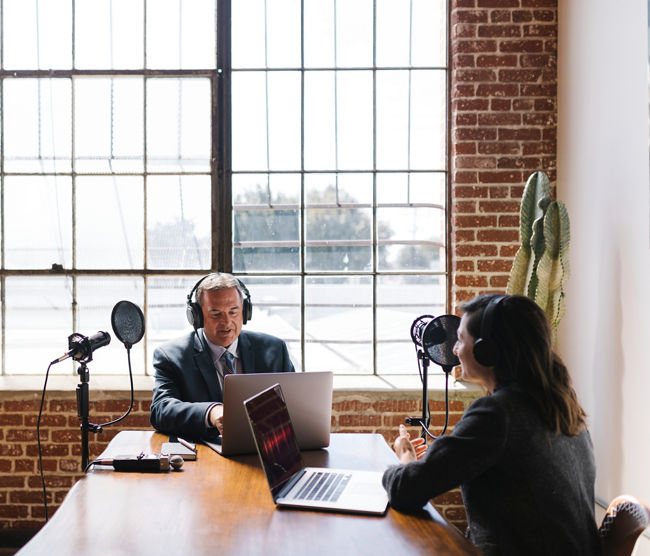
(127, 320)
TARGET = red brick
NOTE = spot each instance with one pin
(539, 30)
(471, 281)
(12, 481)
(498, 207)
(540, 119)
(13, 511)
(537, 61)
(519, 75)
(500, 104)
(498, 281)
(59, 406)
(526, 163)
(463, 90)
(11, 419)
(22, 405)
(26, 497)
(500, 177)
(470, 192)
(465, 177)
(469, 45)
(525, 104)
(463, 31)
(476, 250)
(499, 148)
(521, 134)
(469, 16)
(452, 497)
(499, 118)
(498, 3)
(463, 61)
(490, 31)
(11, 450)
(465, 236)
(465, 3)
(497, 90)
(350, 406)
(470, 104)
(464, 207)
(474, 221)
(508, 250)
(509, 221)
(5, 465)
(500, 16)
(21, 465)
(466, 118)
(522, 16)
(521, 46)
(476, 162)
(464, 148)
(475, 134)
(498, 192)
(496, 61)
(546, 90)
(475, 75)
(494, 265)
(464, 266)
(21, 435)
(360, 420)
(544, 15)
(498, 236)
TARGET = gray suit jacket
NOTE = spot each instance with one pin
(186, 382)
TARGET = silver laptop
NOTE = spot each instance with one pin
(294, 485)
(309, 398)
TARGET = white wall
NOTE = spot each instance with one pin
(604, 180)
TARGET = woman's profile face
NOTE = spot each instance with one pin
(472, 370)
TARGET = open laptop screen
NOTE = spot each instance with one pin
(274, 436)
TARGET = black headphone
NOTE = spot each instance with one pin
(195, 314)
(486, 351)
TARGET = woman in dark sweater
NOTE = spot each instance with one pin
(521, 455)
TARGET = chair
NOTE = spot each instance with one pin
(626, 518)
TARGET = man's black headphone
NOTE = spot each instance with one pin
(486, 351)
(195, 314)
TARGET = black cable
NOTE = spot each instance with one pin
(425, 426)
(38, 441)
(128, 357)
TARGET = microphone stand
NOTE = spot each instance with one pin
(83, 410)
(425, 421)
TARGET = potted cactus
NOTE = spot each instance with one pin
(541, 265)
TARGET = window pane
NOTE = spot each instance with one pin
(266, 33)
(181, 34)
(178, 125)
(109, 125)
(266, 121)
(401, 300)
(411, 120)
(178, 222)
(338, 120)
(338, 324)
(47, 201)
(418, 187)
(411, 33)
(37, 35)
(110, 226)
(36, 118)
(338, 225)
(37, 307)
(109, 34)
(266, 226)
(96, 298)
(276, 309)
(166, 320)
(338, 33)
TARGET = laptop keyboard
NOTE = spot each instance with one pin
(323, 486)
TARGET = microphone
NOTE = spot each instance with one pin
(81, 347)
(437, 336)
(143, 463)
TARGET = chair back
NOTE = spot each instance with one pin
(626, 518)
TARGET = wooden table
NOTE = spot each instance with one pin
(218, 505)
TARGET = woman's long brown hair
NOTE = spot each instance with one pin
(522, 334)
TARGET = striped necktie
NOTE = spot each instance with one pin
(229, 360)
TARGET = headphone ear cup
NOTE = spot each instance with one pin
(247, 310)
(194, 315)
(485, 352)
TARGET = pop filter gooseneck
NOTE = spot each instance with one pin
(434, 340)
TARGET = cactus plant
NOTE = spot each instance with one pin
(541, 265)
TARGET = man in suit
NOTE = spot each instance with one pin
(189, 371)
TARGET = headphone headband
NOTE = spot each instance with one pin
(486, 351)
(193, 309)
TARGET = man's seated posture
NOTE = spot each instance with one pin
(189, 371)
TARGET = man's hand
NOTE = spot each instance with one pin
(408, 450)
(216, 417)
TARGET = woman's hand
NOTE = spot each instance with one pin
(408, 450)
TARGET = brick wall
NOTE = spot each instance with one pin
(21, 497)
(503, 128)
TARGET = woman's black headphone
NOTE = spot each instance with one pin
(486, 351)
(195, 314)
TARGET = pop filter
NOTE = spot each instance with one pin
(437, 337)
(128, 323)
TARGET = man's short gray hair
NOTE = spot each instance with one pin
(218, 281)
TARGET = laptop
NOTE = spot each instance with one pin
(296, 486)
(308, 396)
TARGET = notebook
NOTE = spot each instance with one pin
(294, 485)
(308, 396)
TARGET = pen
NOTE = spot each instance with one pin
(187, 444)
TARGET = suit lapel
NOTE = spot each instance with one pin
(246, 353)
(203, 361)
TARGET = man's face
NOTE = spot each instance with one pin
(222, 315)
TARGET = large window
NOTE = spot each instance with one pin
(300, 144)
